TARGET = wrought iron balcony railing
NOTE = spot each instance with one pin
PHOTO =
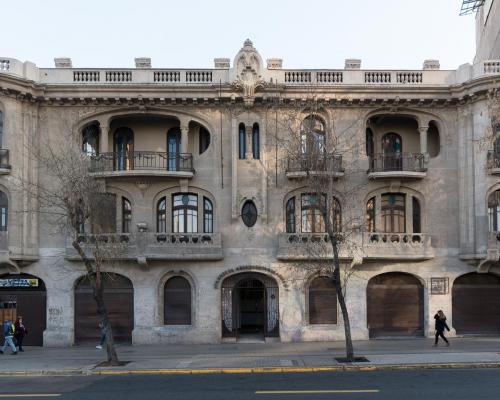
(328, 163)
(142, 161)
(412, 162)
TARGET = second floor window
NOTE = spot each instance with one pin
(4, 212)
(242, 146)
(124, 149)
(313, 136)
(256, 141)
(161, 215)
(370, 215)
(90, 137)
(185, 213)
(494, 211)
(311, 213)
(208, 216)
(126, 215)
(290, 215)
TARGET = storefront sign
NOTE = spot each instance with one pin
(439, 285)
(20, 282)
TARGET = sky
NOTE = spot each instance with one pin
(191, 33)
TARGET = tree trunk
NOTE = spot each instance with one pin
(341, 299)
(98, 294)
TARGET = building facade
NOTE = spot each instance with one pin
(214, 222)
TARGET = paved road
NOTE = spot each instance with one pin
(413, 384)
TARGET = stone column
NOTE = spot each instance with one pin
(248, 136)
(423, 139)
(104, 138)
(184, 138)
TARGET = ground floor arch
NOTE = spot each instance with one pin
(395, 305)
(475, 304)
(250, 306)
(119, 300)
(24, 295)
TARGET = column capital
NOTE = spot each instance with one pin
(423, 128)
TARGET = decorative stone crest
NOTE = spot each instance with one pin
(143, 62)
(248, 64)
(63, 62)
(352, 63)
(431, 65)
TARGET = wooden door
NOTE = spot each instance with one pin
(395, 305)
(475, 304)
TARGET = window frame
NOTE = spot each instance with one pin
(242, 145)
(161, 215)
(256, 141)
(4, 212)
(290, 217)
(208, 215)
(86, 134)
(187, 212)
(126, 215)
(177, 294)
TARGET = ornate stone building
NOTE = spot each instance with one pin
(215, 227)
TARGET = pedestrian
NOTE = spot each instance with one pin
(104, 332)
(440, 326)
(21, 332)
(8, 331)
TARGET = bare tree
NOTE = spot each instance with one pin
(320, 156)
(75, 201)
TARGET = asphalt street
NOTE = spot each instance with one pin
(410, 384)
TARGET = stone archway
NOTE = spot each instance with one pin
(250, 304)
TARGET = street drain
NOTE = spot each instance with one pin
(108, 364)
(356, 359)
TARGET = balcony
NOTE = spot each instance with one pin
(328, 165)
(404, 165)
(306, 246)
(151, 246)
(371, 246)
(143, 163)
(493, 162)
(4, 162)
(397, 246)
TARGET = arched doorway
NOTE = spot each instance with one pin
(119, 300)
(395, 305)
(475, 303)
(24, 295)
(250, 306)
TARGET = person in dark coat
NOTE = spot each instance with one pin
(440, 326)
(21, 332)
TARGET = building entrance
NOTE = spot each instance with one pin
(250, 306)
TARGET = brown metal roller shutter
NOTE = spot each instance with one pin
(322, 302)
(119, 300)
(395, 305)
(475, 304)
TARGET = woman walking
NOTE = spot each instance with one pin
(21, 332)
(440, 326)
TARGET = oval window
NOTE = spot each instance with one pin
(249, 213)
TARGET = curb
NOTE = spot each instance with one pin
(336, 368)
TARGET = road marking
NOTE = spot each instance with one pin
(3, 395)
(338, 391)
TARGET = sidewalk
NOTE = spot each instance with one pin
(256, 357)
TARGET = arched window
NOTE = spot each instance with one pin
(290, 216)
(185, 213)
(370, 145)
(336, 215)
(370, 215)
(494, 211)
(173, 148)
(256, 141)
(126, 215)
(417, 225)
(311, 216)
(1, 130)
(313, 136)
(124, 149)
(90, 140)
(249, 213)
(204, 139)
(208, 216)
(177, 301)
(392, 148)
(4, 212)
(242, 141)
(322, 301)
(393, 212)
(161, 215)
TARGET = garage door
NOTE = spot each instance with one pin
(476, 303)
(24, 295)
(395, 305)
(119, 300)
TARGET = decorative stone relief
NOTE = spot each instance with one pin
(352, 63)
(143, 62)
(63, 62)
(221, 63)
(431, 65)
